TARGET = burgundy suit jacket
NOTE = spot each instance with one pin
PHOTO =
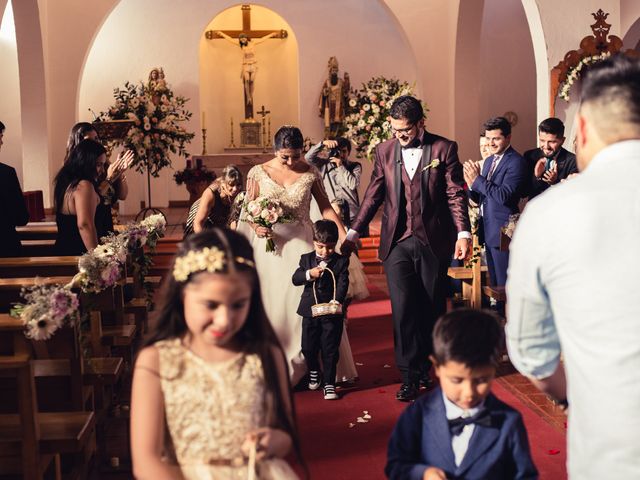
(443, 198)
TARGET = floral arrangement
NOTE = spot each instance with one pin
(367, 111)
(574, 73)
(266, 212)
(102, 267)
(46, 309)
(194, 175)
(157, 114)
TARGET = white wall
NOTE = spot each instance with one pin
(10, 99)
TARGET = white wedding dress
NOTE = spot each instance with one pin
(275, 269)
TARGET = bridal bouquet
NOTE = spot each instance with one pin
(266, 212)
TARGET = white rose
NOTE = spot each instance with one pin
(254, 208)
(366, 107)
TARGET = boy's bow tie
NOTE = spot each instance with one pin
(481, 418)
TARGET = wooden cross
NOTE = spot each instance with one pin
(246, 29)
(263, 112)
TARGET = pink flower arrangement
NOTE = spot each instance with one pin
(266, 212)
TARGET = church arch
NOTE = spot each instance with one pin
(495, 72)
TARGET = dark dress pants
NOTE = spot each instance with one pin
(322, 335)
(417, 287)
(497, 263)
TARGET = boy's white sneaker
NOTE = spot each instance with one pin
(314, 380)
(330, 392)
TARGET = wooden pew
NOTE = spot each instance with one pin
(471, 282)
(31, 434)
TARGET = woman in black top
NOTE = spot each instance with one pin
(76, 198)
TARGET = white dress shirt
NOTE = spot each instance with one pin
(460, 443)
(573, 289)
(411, 160)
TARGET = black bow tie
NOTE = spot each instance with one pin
(320, 260)
(481, 418)
(415, 143)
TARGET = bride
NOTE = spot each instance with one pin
(289, 179)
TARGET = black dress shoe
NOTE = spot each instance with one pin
(426, 382)
(407, 392)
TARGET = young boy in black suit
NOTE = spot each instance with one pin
(460, 429)
(322, 334)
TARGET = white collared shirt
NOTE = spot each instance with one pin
(411, 160)
(572, 289)
(460, 443)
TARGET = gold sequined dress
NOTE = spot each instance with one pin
(209, 408)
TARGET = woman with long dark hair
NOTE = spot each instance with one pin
(112, 184)
(76, 198)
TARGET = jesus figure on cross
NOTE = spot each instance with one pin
(249, 65)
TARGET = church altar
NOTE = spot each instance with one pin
(243, 158)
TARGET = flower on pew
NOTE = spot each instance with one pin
(96, 273)
(156, 225)
(46, 309)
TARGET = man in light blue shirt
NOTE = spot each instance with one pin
(573, 289)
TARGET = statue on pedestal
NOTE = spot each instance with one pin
(333, 99)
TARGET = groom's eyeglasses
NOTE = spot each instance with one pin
(395, 131)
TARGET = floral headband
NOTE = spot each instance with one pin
(209, 259)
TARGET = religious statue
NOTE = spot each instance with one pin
(249, 65)
(161, 84)
(154, 74)
(333, 100)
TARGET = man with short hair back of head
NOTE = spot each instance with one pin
(572, 285)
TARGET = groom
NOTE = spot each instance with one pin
(418, 177)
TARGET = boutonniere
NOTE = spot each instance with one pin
(434, 164)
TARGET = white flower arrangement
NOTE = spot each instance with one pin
(157, 131)
(574, 73)
(46, 309)
(368, 108)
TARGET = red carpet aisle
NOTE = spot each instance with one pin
(335, 450)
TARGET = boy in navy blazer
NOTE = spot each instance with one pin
(461, 430)
(322, 335)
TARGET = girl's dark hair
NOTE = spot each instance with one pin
(81, 165)
(470, 337)
(256, 336)
(288, 137)
(77, 134)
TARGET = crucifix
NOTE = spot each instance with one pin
(243, 39)
(263, 113)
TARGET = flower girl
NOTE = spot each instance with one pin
(211, 396)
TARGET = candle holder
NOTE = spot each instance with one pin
(204, 141)
(231, 143)
(269, 133)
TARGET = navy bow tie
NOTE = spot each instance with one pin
(483, 418)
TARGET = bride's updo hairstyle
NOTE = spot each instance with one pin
(288, 136)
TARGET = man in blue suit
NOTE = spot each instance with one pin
(504, 180)
(461, 430)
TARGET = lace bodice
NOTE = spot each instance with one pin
(209, 407)
(296, 198)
